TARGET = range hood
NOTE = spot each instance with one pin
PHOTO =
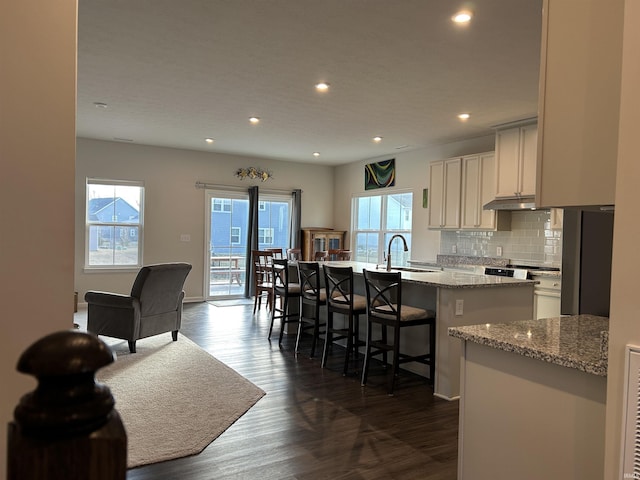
(512, 203)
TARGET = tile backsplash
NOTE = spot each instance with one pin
(530, 240)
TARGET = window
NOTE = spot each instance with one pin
(114, 224)
(222, 205)
(274, 221)
(265, 236)
(235, 235)
(375, 220)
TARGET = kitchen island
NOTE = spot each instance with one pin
(533, 398)
(458, 299)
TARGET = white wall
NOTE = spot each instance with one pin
(624, 326)
(37, 143)
(412, 173)
(173, 206)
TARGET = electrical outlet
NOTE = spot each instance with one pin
(454, 249)
(499, 251)
(459, 307)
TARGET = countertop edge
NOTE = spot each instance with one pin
(565, 360)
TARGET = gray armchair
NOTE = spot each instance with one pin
(154, 306)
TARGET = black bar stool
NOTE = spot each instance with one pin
(285, 291)
(314, 296)
(384, 308)
(338, 283)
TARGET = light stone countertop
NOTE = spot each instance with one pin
(546, 273)
(576, 341)
(440, 278)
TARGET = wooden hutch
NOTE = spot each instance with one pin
(319, 239)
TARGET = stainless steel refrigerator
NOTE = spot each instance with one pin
(587, 244)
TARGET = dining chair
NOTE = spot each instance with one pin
(294, 254)
(262, 277)
(285, 291)
(313, 296)
(338, 283)
(321, 256)
(385, 308)
(339, 254)
(277, 252)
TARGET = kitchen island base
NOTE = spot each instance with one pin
(524, 418)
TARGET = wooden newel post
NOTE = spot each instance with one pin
(67, 427)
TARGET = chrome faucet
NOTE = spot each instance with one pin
(406, 249)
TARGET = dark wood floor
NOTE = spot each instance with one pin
(313, 423)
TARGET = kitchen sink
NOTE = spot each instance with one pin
(414, 270)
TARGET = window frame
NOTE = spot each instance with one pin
(383, 232)
(123, 225)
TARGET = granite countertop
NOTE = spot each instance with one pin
(577, 341)
(440, 278)
(546, 273)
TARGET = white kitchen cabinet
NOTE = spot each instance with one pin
(547, 296)
(579, 102)
(556, 216)
(444, 193)
(515, 172)
(478, 188)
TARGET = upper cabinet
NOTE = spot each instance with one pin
(516, 161)
(444, 193)
(459, 187)
(579, 102)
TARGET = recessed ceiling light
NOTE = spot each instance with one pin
(316, 154)
(462, 17)
(100, 105)
(254, 120)
(322, 87)
(209, 140)
(377, 139)
(464, 116)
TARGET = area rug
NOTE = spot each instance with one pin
(174, 398)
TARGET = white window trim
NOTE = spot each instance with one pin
(140, 225)
(383, 208)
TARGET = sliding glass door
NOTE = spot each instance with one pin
(228, 218)
(227, 237)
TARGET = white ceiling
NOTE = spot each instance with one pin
(174, 72)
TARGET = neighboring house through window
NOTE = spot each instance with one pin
(114, 224)
(235, 235)
(265, 236)
(221, 205)
(375, 219)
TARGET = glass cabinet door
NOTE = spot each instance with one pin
(319, 244)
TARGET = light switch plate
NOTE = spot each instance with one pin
(459, 307)
(185, 237)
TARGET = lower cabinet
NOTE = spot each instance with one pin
(547, 297)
